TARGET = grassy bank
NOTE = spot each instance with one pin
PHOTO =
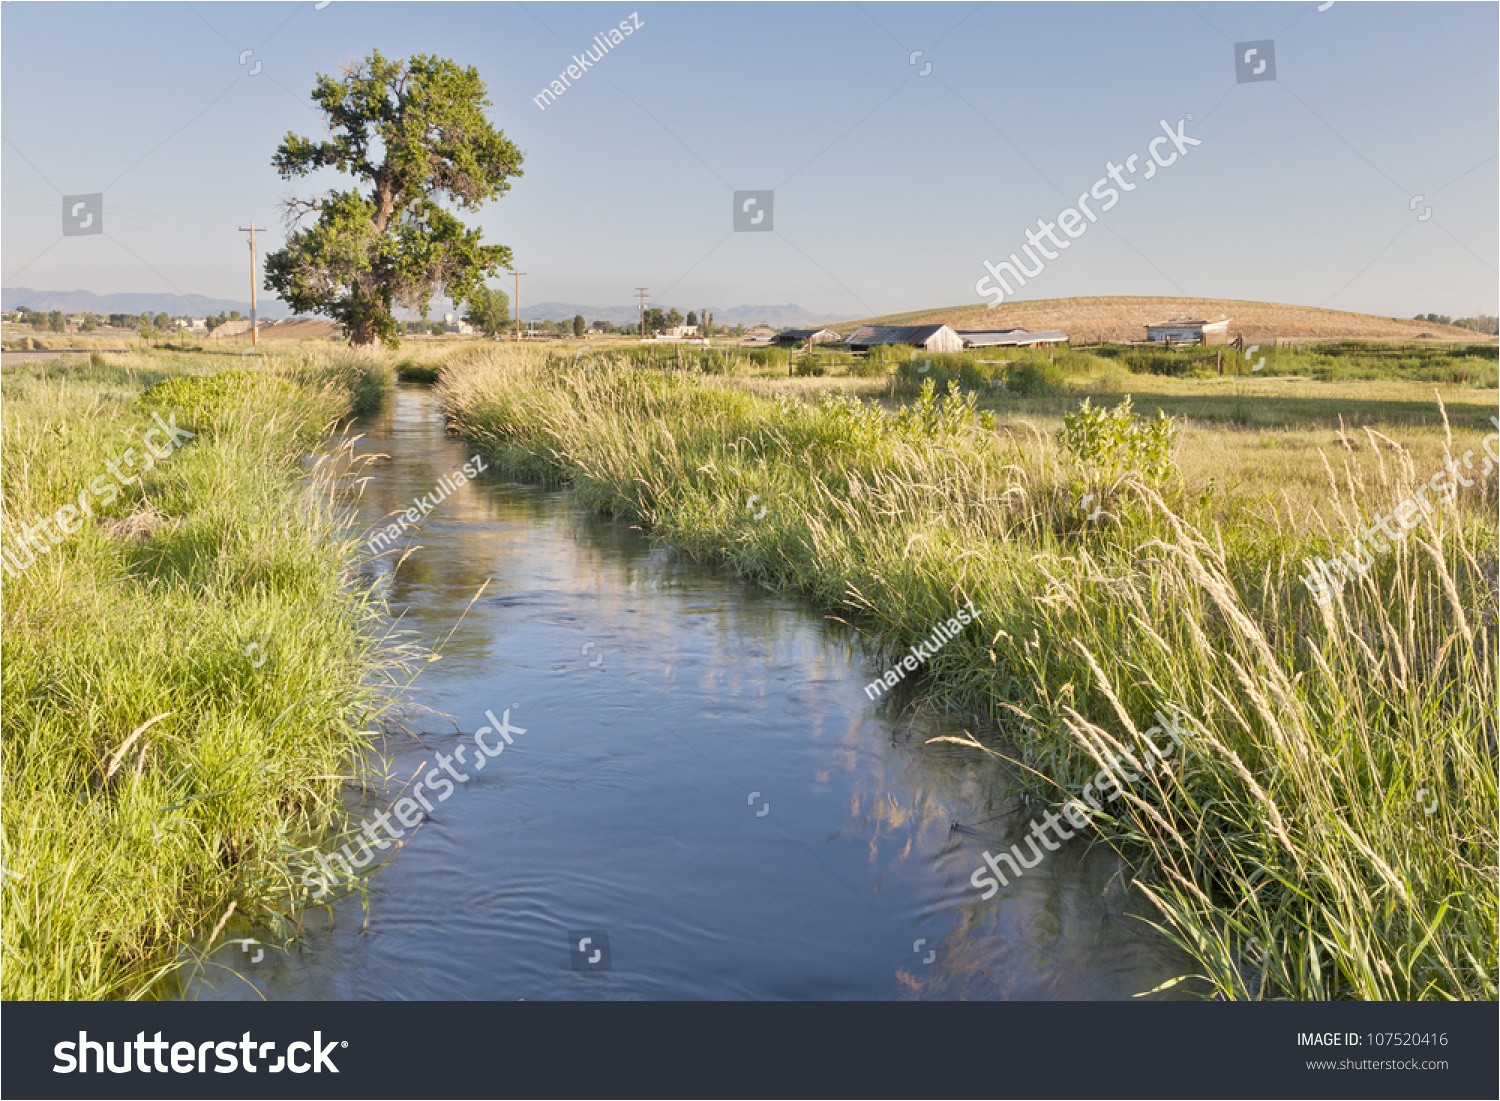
(1328, 829)
(186, 666)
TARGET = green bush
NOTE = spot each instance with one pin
(409, 370)
(203, 401)
(1036, 377)
(1107, 443)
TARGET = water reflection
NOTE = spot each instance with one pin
(703, 783)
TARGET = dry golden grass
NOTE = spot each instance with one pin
(1089, 320)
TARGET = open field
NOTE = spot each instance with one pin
(1289, 851)
(1330, 828)
(188, 665)
(1090, 320)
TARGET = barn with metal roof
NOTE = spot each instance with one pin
(930, 338)
(797, 338)
(1010, 338)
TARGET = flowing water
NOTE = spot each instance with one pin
(703, 795)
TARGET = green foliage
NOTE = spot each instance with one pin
(397, 244)
(1108, 443)
(1327, 829)
(156, 767)
(489, 310)
(203, 402)
(410, 370)
(1035, 377)
(951, 415)
(1327, 361)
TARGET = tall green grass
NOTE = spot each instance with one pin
(185, 677)
(1329, 361)
(1329, 829)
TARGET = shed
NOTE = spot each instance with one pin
(930, 338)
(1010, 338)
(1189, 330)
(800, 338)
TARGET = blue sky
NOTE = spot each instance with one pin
(891, 187)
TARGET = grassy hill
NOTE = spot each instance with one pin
(1124, 318)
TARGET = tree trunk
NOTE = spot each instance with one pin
(362, 332)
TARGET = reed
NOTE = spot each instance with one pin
(1329, 827)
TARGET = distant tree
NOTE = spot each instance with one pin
(162, 322)
(488, 310)
(1481, 323)
(692, 318)
(55, 321)
(739, 330)
(435, 328)
(424, 118)
(579, 325)
(90, 323)
(656, 321)
(706, 322)
(234, 315)
(673, 318)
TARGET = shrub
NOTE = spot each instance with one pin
(204, 400)
(1108, 443)
(1036, 377)
(409, 370)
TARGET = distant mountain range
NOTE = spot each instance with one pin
(197, 305)
(778, 317)
(178, 305)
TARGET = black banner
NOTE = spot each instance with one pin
(731, 1050)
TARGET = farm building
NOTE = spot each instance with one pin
(1010, 338)
(1189, 330)
(930, 338)
(799, 338)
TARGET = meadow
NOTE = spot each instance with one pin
(193, 673)
(189, 672)
(1329, 830)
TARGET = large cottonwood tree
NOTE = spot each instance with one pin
(414, 137)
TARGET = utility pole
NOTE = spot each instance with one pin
(642, 292)
(254, 325)
(518, 275)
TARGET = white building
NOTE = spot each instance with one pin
(1189, 330)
